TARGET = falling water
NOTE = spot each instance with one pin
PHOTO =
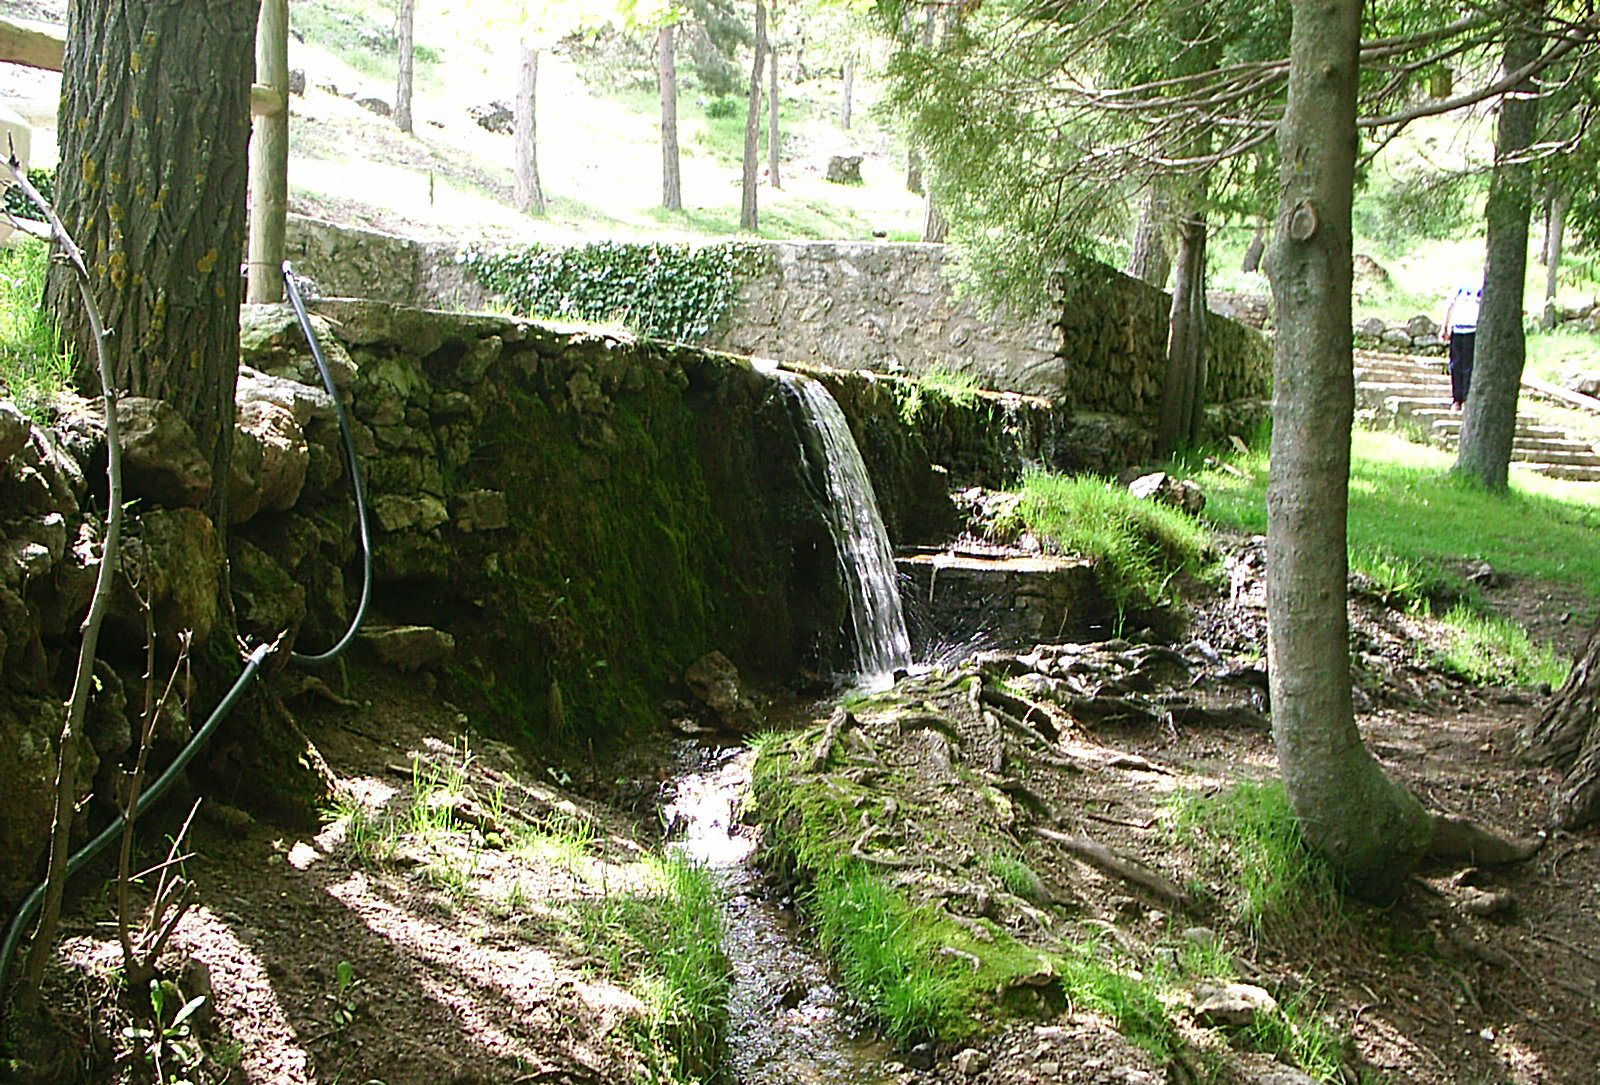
(865, 559)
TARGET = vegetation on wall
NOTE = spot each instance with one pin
(16, 204)
(665, 291)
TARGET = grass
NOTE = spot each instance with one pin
(1488, 649)
(938, 383)
(33, 367)
(1140, 546)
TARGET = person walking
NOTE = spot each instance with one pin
(1460, 331)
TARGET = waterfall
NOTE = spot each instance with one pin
(866, 562)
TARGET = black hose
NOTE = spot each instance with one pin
(310, 333)
(253, 662)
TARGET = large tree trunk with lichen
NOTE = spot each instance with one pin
(1567, 735)
(1489, 422)
(1370, 829)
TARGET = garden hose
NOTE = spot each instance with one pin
(152, 794)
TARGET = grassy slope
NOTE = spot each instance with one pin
(32, 368)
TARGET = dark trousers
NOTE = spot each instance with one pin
(1461, 364)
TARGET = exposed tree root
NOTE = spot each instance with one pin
(1456, 838)
(1129, 870)
(838, 723)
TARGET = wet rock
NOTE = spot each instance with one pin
(13, 430)
(970, 1062)
(161, 459)
(411, 647)
(1234, 1005)
(480, 510)
(1167, 490)
(714, 682)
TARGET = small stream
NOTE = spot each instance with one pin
(788, 1023)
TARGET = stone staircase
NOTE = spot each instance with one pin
(1413, 392)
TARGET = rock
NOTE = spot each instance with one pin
(397, 513)
(844, 169)
(376, 105)
(1204, 937)
(161, 459)
(920, 1057)
(297, 82)
(1396, 337)
(970, 1062)
(1163, 488)
(303, 401)
(1584, 382)
(480, 510)
(1262, 1069)
(1483, 575)
(411, 647)
(42, 478)
(267, 600)
(14, 429)
(174, 560)
(1420, 327)
(284, 455)
(714, 681)
(1372, 327)
(495, 117)
(1234, 1005)
(1368, 270)
(28, 728)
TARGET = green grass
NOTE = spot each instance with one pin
(939, 382)
(33, 368)
(1491, 650)
(1140, 546)
(1553, 354)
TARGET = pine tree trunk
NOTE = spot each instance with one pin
(405, 25)
(1567, 736)
(915, 182)
(1183, 394)
(1489, 423)
(1554, 237)
(748, 217)
(774, 138)
(1149, 261)
(849, 91)
(529, 193)
(667, 82)
(1371, 830)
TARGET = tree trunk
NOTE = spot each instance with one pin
(1183, 394)
(1489, 423)
(667, 82)
(748, 218)
(1150, 262)
(914, 164)
(1567, 736)
(774, 139)
(849, 91)
(1251, 261)
(158, 204)
(405, 24)
(1554, 237)
(269, 160)
(1371, 830)
(529, 193)
(934, 225)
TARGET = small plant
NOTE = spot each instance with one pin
(167, 1045)
(960, 389)
(344, 988)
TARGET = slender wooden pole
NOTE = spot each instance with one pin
(269, 159)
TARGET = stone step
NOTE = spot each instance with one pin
(1534, 445)
(1573, 472)
(1449, 423)
(1408, 406)
(1384, 371)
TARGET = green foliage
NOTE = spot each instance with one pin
(168, 1046)
(19, 206)
(1401, 582)
(667, 291)
(940, 382)
(1139, 545)
(1397, 209)
(1271, 881)
(1298, 1032)
(34, 368)
(722, 108)
(1491, 650)
(349, 30)
(1131, 1001)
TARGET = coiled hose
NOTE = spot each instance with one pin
(252, 664)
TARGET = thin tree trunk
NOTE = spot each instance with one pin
(849, 91)
(914, 165)
(667, 81)
(1183, 394)
(748, 217)
(934, 225)
(405, 25)
(774, 139)
(1567, 735)
(1371, 830)
(269, 160)
(1554, 237)
(529, 193)
(1488, 426)
(1149, 261)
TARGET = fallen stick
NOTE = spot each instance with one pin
(1129, 870)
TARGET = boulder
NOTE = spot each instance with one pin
(1396, 337)
(284, 454)
(480, 510)
(1420, 327)
(305, 402)
(375, 105)
(161, 459)
(267, 600)
(1232, 1005)
(1584, 382)
(297, 82)
(714, 682)
(244, 477)
(41, 478)
(410, 647)
(844, 169)
(14, 429)
(174, 561)
(494, 116)
(397, 513)
(28, 730)
(1255, 1068)
(1367, 270)
(1163, 488)
(1371, 328)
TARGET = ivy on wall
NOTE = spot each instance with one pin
(668, 291)
(22, 207)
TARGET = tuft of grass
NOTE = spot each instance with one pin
(938, 383)
(1272, 881)
(1014, 874)
(34, 368)
(1130, 1000)
(1299, 1032)
(1140, 546)
(1412, 585)
(1491, 650)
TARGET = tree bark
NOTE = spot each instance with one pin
(749, 219)
(1149, 261)
(914, 164)
(849, 77)
(1567, 736)
(405, 26)
(529, 193)
(935, 227)
(1371, 831)
(1554, 238)
(774, 138)
(269, 160)
(1183, 394)
(667, 82)
(1489, 423)
(155, 108)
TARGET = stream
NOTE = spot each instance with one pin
(788, 1024)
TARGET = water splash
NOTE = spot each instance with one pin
(865, 558)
